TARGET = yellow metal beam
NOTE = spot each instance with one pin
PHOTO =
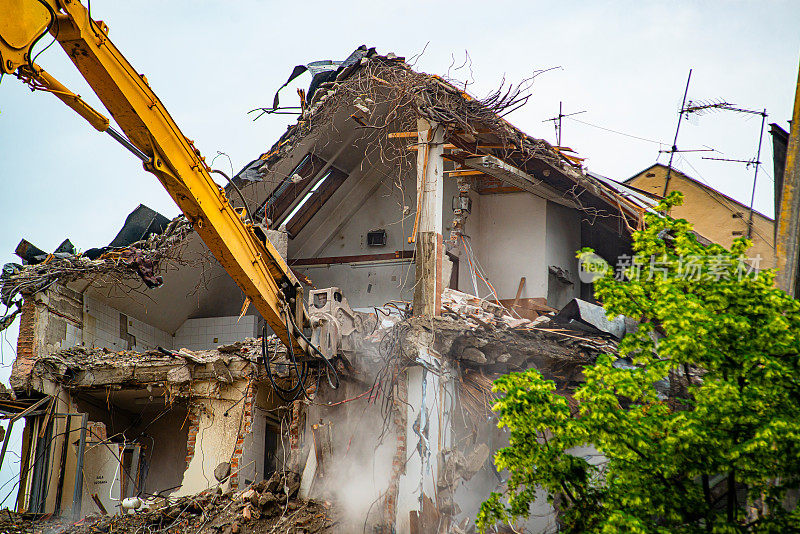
(255, 265)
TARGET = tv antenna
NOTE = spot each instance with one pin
(557, 121)
(674, 148)
(725, 106)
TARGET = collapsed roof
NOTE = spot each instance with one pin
(382, 97)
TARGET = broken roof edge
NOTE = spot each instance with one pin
(142, 259)
(434, 98)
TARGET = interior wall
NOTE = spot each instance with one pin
(102, 329)
(563, 240)
(375, 202)
(164, 450)
(219, 425)
(510, 243)
(472, 227)
(210, 332)
(367, 284)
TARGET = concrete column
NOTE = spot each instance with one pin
(430, 193)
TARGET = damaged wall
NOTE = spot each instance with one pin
(218, 423)
(372, 198)
(51, 320)
(562, 244)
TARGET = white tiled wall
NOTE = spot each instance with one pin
(101, 326)
(74, 336)
(207, 333)
(147, 336)
(101, 329)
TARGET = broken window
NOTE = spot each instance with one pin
(314, 200)
(290, 188)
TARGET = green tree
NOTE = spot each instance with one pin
(717, 451)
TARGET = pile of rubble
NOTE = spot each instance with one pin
(482, 312)
(269, 506)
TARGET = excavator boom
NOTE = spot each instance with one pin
(153, 135)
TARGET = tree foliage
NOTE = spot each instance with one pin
(696, 420)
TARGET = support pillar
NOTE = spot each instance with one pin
(430, 196)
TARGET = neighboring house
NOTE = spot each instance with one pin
(714, 215)
(422, 205)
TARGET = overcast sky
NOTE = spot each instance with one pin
(624, 63)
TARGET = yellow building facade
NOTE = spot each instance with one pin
(714, 215)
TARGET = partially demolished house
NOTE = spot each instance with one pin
(448, 239)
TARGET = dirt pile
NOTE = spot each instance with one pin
(269, 506)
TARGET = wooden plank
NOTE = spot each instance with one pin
(30, 408)
(99, 504)
(62, 464)
(500, 189)
(446, 146)
(47, 417)
(413, 522)
(6, 439)
(397, 135)
(396, 255)
(460, 172)
(529, 308)
(519, 292)
(77, 492)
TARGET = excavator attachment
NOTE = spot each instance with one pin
(148, 130)
(22, 24)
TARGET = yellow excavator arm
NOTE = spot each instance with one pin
(150, 133)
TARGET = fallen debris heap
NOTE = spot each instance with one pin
(269, 506)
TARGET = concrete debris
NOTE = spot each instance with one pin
(480, 311)
(140, 259)
(85, 367)
(179, 375)
(558, 353)
(268, 506)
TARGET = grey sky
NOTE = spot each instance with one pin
(624, 62)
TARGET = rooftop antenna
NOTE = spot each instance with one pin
(714, 106)
(557, 121)
(674, 148)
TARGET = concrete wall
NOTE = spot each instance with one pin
(429, 420)
(368, 200)
(712, 214)
(507, 233)
(563, 240)
(214, 436)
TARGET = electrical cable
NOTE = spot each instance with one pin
(327, 362)
(52, 13)
(239, 191)
(290, 394)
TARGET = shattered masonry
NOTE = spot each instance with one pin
(447, 239)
